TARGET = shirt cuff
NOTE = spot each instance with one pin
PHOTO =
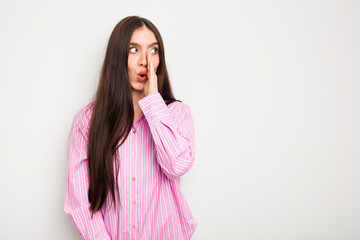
(154, 107)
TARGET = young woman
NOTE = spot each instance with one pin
(130, 146)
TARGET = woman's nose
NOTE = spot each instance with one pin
(143, 59)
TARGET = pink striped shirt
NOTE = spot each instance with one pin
(159, 149)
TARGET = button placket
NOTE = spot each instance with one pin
(134, 184)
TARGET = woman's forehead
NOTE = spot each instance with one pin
(143, 36)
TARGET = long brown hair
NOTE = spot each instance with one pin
(113, 112)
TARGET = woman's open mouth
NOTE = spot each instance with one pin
(142, 76)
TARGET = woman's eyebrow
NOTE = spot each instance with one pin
(136, 44)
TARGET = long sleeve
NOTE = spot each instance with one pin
(172, 129)
(76, 204)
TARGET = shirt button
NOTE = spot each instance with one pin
(133, 179)
(134, 153)
(134, 202)
(134, 131)
(133, 226)
(150, 118)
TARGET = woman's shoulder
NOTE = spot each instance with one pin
(83, 117)
(177, 104)
(179, 109)
(84, 113)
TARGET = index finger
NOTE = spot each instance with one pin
(149, 62)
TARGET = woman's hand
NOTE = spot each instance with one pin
(151, 84)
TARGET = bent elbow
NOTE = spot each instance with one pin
(182, 165)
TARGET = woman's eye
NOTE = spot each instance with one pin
(133, 50)
(154, 50)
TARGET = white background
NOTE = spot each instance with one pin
(274, 90)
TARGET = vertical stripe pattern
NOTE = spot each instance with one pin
(159, 149)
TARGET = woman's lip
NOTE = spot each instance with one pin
(142, 77)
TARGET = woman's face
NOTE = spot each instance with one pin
(143, 46)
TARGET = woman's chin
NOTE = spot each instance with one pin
(138, 88)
